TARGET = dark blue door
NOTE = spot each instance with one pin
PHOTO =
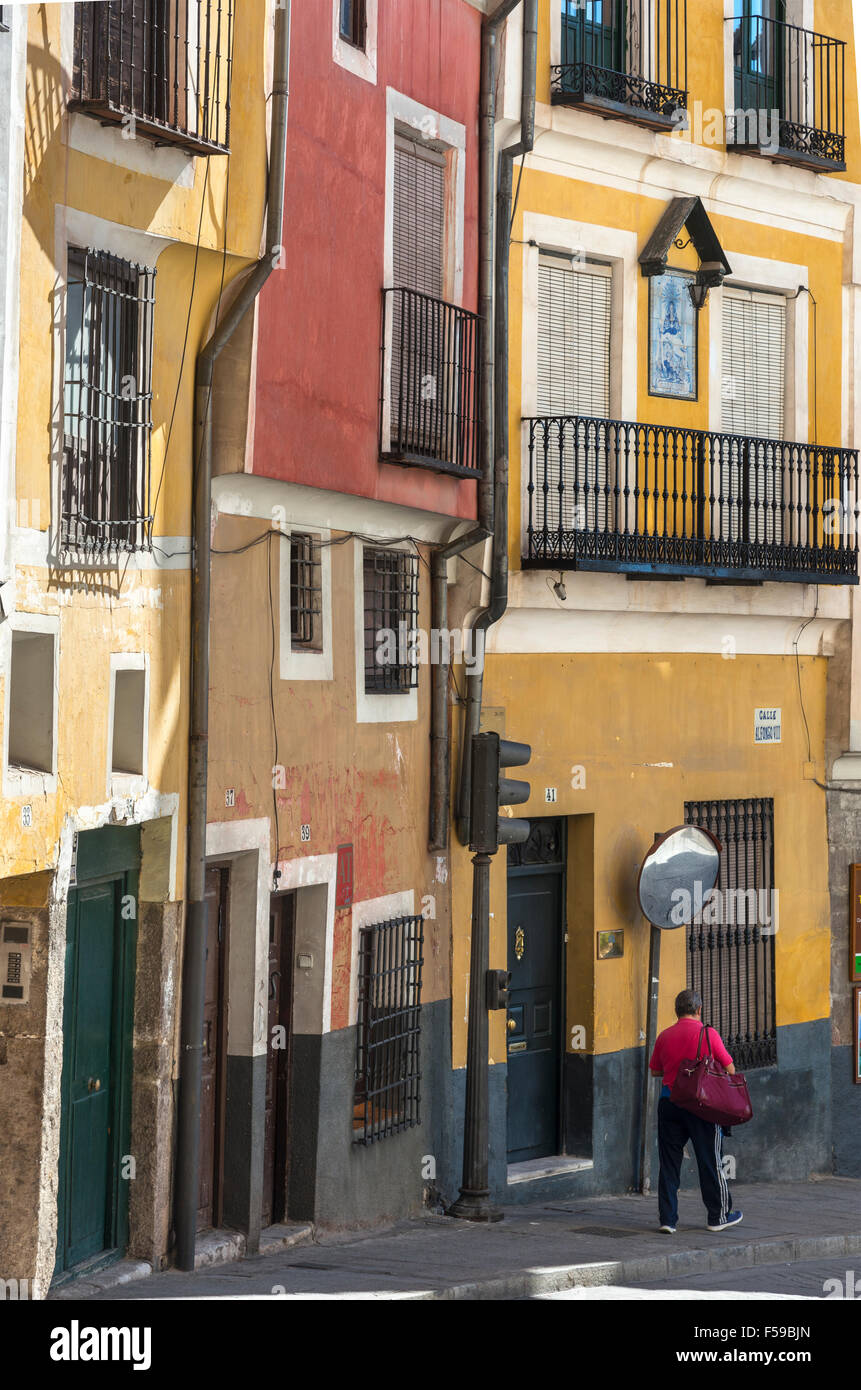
(534, 1023)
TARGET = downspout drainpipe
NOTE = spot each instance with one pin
(440, 768)
(194, 952)
(499, 563)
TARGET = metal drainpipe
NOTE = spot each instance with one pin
(499, 562)
(194, 949)
(440, 763)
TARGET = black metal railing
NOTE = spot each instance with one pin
(159, 68)
(612, 495)
(624, 57)
(789, 92)
(387, 1094)
(107, 413)
(429, 398)
(730, 943)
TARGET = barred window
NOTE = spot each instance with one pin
(305, 592)
(730, 947)
(391, 614)
(353, 24)
(107, 409)
(388, 1061)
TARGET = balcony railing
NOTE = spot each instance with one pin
(624, 58)
(657, 499)
(429, 396)
(158, 68)
(789, 93)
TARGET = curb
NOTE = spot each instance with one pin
(682, 1263)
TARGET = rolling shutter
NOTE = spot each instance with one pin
(573, 339)
(574, 305)
(754, 363)
(753, 407)
(419, 217)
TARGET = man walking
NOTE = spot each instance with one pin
(677, 1126)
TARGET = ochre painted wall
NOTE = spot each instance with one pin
(121, 608)
(651, 732)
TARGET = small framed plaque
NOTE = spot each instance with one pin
(611, 945)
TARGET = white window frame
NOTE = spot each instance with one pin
(74, 228)
(614, 247)
(296, 663)
(391, 707)
(128, 784)
(366, 914)
(408, 117)
(17, 782)
(767, 277)
(775, 278)
(360, 62)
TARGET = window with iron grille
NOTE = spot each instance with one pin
(388, 1038)
(107, 408)
(160, 67)
(730, 945)
(391, 613)
(305, 591)
(353, 26)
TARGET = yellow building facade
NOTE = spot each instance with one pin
(677, 645)
(143, 200)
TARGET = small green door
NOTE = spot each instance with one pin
(101, 939)
(758, 44)
(593, 32)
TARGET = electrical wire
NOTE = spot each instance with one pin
(185, 338)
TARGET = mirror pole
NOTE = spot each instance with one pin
(647, 1108)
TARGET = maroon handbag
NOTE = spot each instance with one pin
(707, 1089)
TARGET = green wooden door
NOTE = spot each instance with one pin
(593, 32)
(758, 44)
(96, 1083)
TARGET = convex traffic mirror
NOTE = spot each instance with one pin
(677, 875)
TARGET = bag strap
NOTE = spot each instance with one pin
(704, 1029)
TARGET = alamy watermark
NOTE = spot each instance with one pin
(411, 646)
(727, 906)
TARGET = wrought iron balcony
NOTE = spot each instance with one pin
(159, 68)
(625, 58)
(789, 93)
(429, 396)
(656, 499)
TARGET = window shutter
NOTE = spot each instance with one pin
(574, 379)
(754, 377)
(754, 363)
(419, 217)
(573, 339)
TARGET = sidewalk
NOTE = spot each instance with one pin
(538, 1249)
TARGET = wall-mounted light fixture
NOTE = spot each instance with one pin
(709, 276)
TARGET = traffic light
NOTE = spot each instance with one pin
(487, 829)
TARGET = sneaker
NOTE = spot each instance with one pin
(667, 1230)
(732, 1219)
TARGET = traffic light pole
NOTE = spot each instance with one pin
(474, 1203)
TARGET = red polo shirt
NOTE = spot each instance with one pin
(679, 1042)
